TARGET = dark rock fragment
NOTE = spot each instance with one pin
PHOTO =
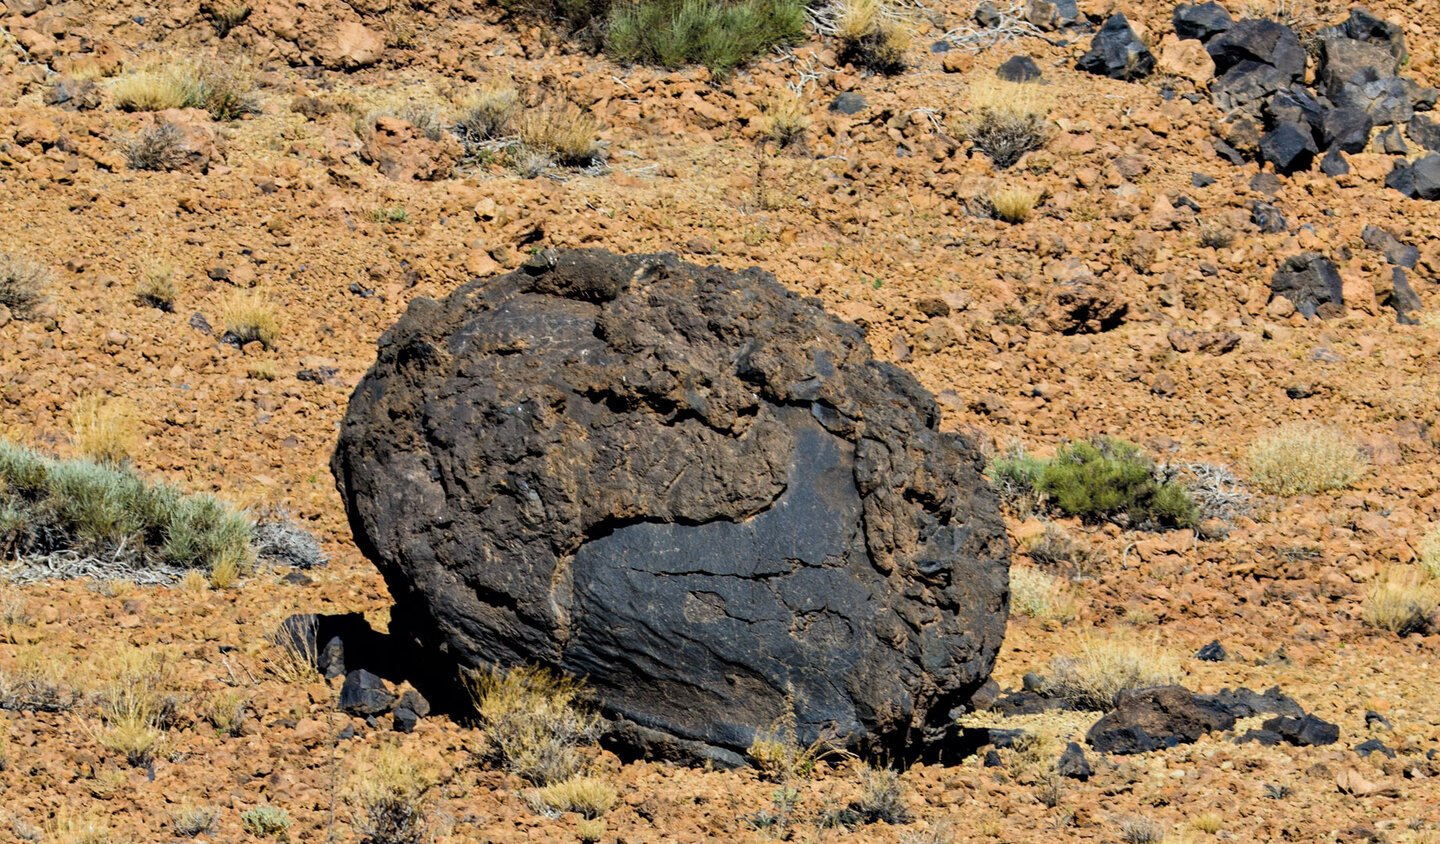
(1375, 721)
(1267, 217)
(1244, 703)
(1347, 129)
(987, 15)
(415, 702)
(1308, 280)
(1073, 764)
(1258, 40)
(1201, 21)
(1018, 69)
(1290, 147)
(849, 102)
(1213, 652)
(1305, 731)
(1201, 180)
(1117, 52)
(1395, 252)
(1334, 164)
(331, 659)
(404, 721)
(1424, 132)
(363, 693)
(1151, 719)
(1365, 748)
(1403, 298)
(1391, 142)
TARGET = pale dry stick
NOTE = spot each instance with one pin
(1012, 26)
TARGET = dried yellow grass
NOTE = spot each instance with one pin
(1427, 553)
(537, 723)
(564, 132)
(1013, 205)
(250, 317)
(132, 704)
(1040, 595)
(1403, 600)
(391, 796)
(589, 797)
(785, 120)
(156, 287)
(170, 86)
(1303, 458)
(105, 429)
(1107, 666)
(1022, 99)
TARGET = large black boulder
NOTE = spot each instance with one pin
(691, 486)
(1201, 21)
(1347, 62)
(1117, 52)
(1308, 280)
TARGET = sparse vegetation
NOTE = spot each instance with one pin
(780, 756)
(225, 15)
(262, 369)
(1427, 553)
(537, 724)
(872, 34)
(226, 711)
(391, 799)
(225, 89)
(22, 285)
(1013, 205)
(1016, 475)
(718, 34)
(1208, 822)
(1305, 458)
(1141, 831)
(1005, 121)
(248, 317)
(563, 132)
(190, 820)
(104, 429)
(159, 148)
(589, 830)
(84, 506)
(133, 706)
(296, 654)
(882, 796)
(37, 683)
(487, 118)
(1054, 548)
(1402, 600)
(1105, 479)
(785, 120)
(156, 287)
(72, 829)
(1106, 667)
(265, 821)
(1039, 595)
(589, 797)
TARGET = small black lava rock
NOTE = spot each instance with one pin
(1213, 652)
(364, 693)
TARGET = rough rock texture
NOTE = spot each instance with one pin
(1151, 719)
(1309, 280)
(691, 486)
(1117, 52)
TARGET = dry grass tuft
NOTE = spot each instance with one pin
(589, 797)
(1427, 553)
(69, 829)
(227, 711)
(159, 148)
(264, 369)
(190, 821)
(487, 115)
(1208, 822)
(249, 317)
(225, 572)
(1040, 595)
(105, 429)
(589, 830)
(225, 89)
(391, 799)
(1106, 667)
(1013, 205)
(22, 285)
(1005, 120)
(537, 724)
(882, 796)
(564, 132)
(295, 655)
(1305, 457)
(134, 706)
(872, 34)
(779, 756)
(156, 287)
(785, 120)
(1402, 600)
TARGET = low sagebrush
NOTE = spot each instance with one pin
(1094, 679)
(563, 132)
(391, 799)
(22, 285)
(882, 796)
(1402, 600)
(589, 797)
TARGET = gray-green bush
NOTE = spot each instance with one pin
(718, 34)
(49, 505)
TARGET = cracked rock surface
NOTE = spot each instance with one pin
(691, 486)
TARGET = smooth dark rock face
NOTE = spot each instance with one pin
(1347, 129)
(1306, 731)
(1116, 52)
(1152, 719)
(1347, 62)
(691, 486)
(1334, 164)
(363, 693)
(1424, 131)
(1073, 764)
(1308, 280)
(1201, 21)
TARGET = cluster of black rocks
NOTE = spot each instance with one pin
(363, 693)
(1273, 115)
(1312, 282)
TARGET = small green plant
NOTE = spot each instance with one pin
(226, 712)
(1305, 458)
(1016, 475)
(190, 820)
(720, 35)
(537, 723)
(397, 214)
(265, 821)
(22, 285)
(1113, 480)
(780, 756)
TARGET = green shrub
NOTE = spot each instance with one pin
(1112, 479)
(1016, 476)
(265, 821)
(721, 35)
(51, 505)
